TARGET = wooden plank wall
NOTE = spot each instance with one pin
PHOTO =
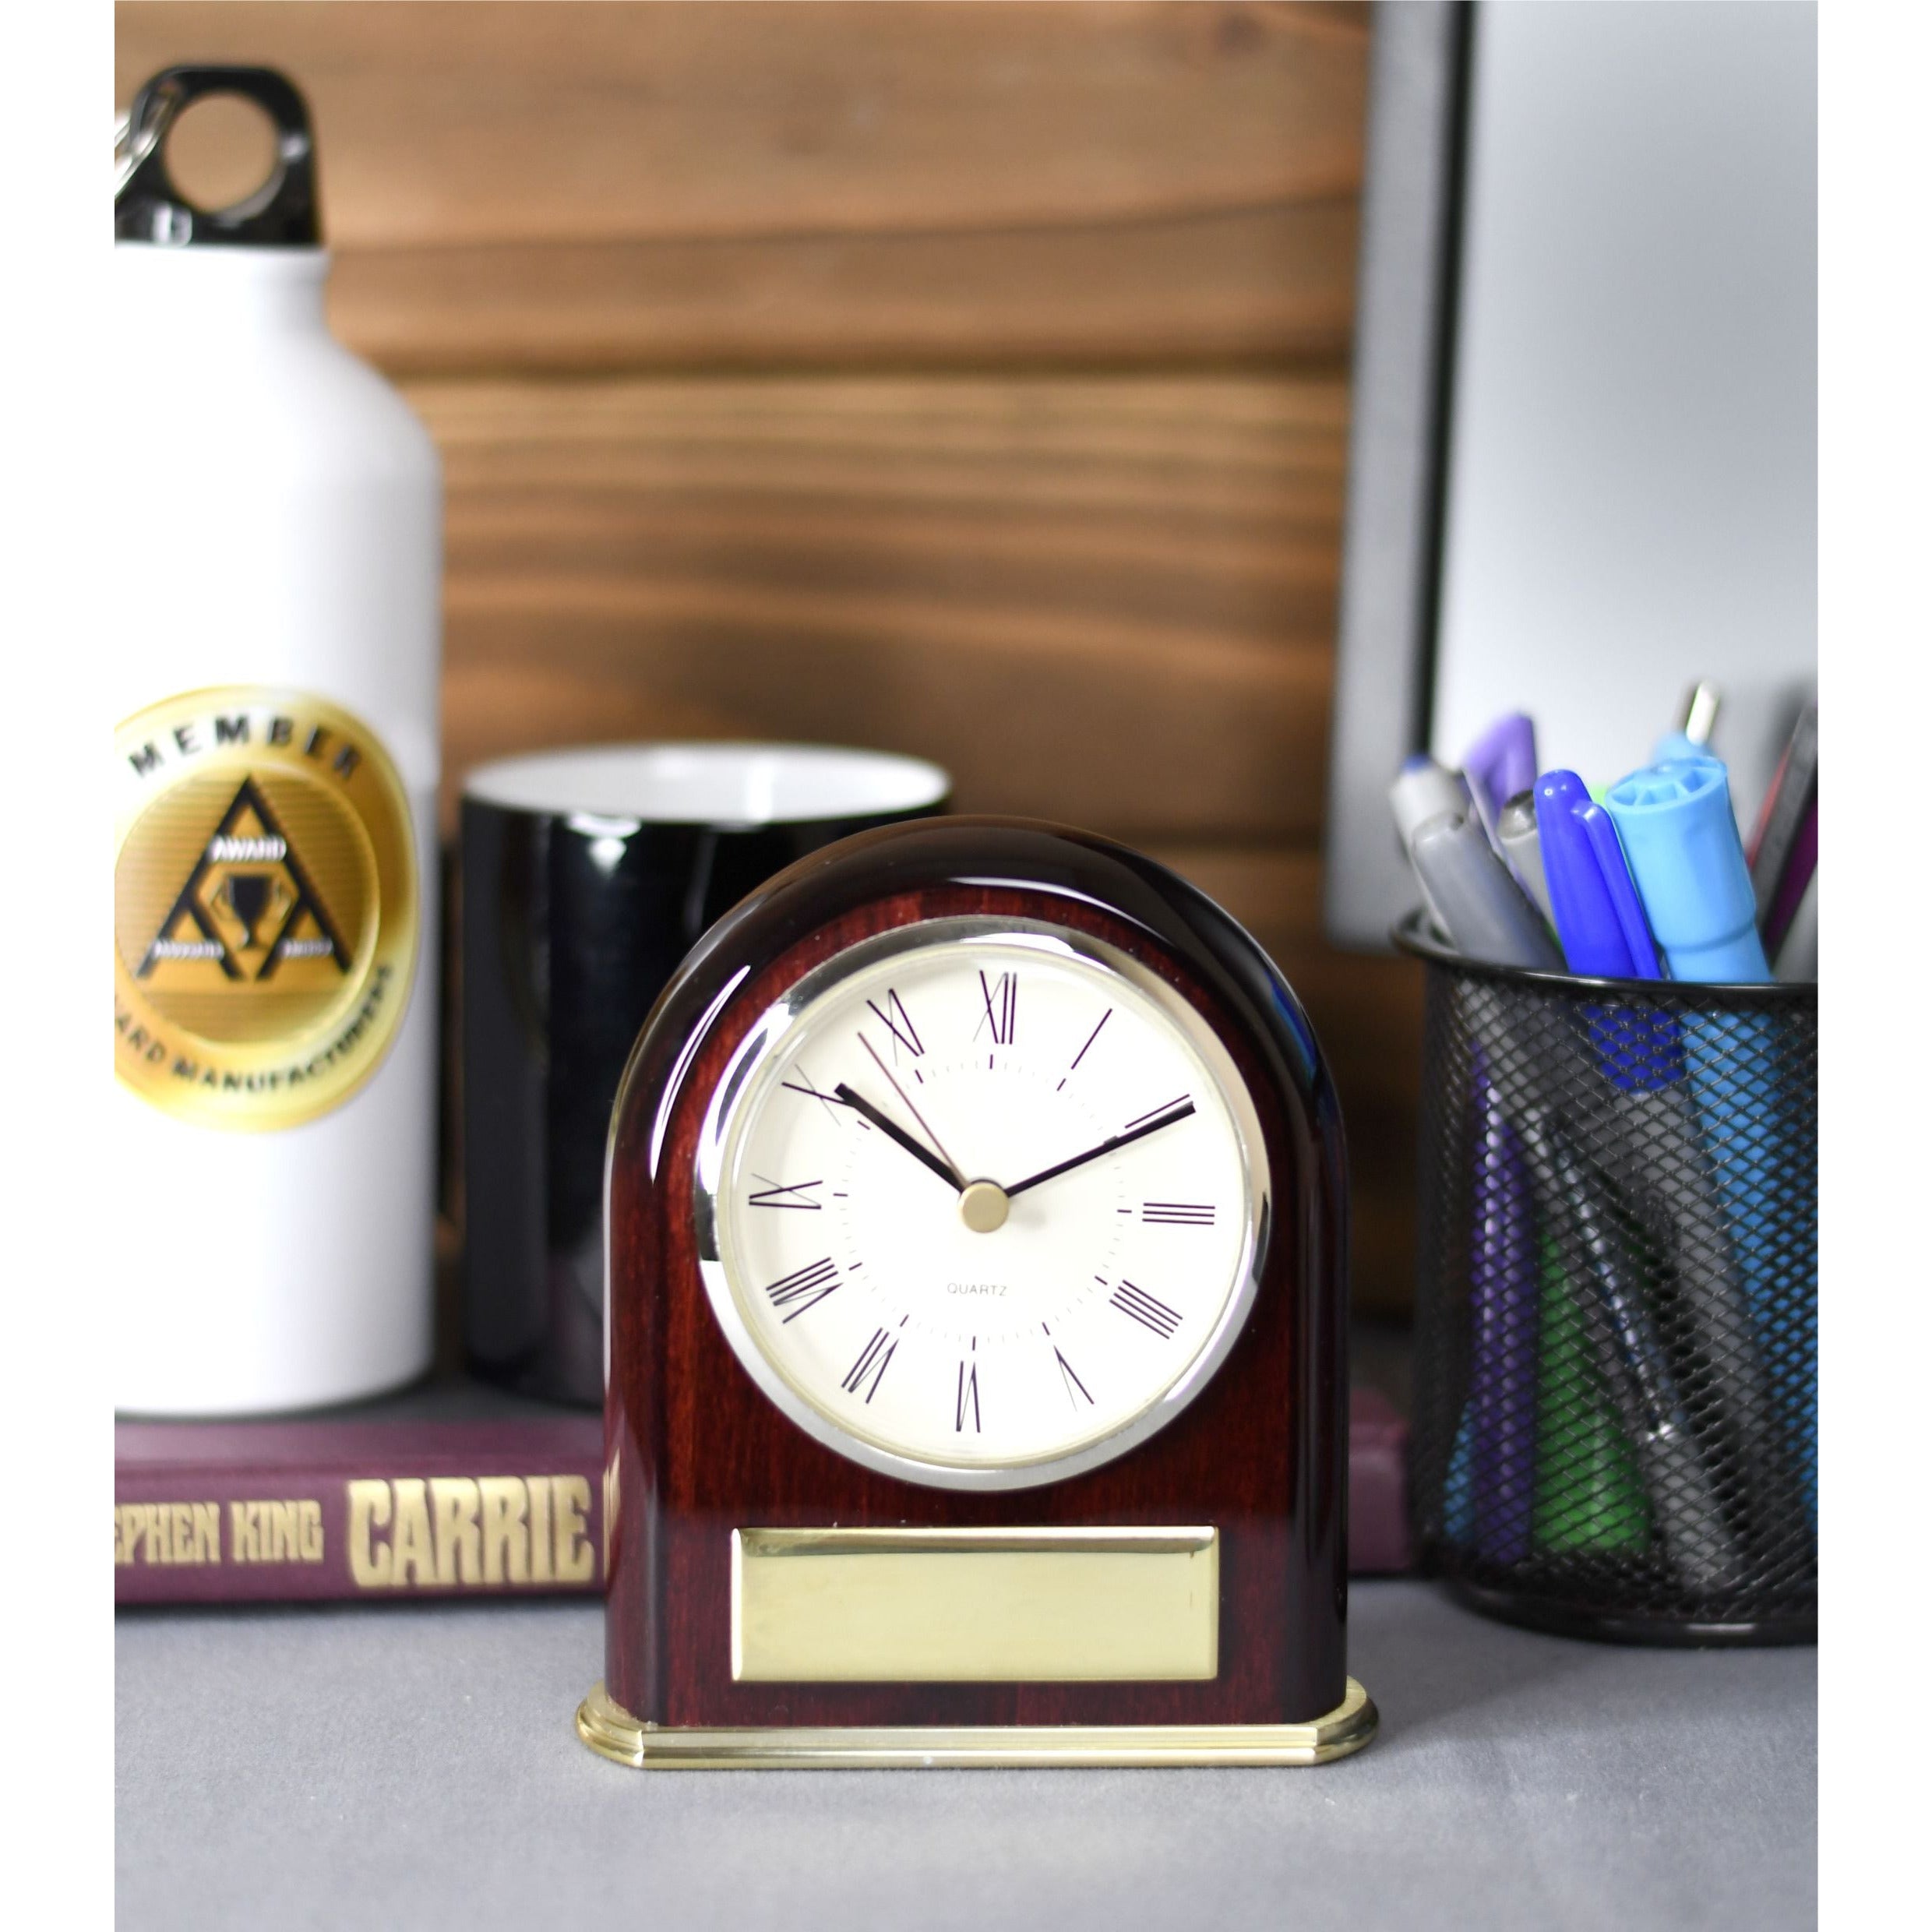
(965, 379)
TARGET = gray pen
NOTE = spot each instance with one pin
(1661, 1135)
(1538, 1059)
(1682, 1497)
(1649, 1130)
(1516, 833)
(1485, 912)
(1425, 790)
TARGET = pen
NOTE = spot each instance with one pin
(1503, 1314)
(1531, 1054)
(1647, 1127)
(1675, 1171)
(1684, 1498)
(1681, 841)
(1677, 828)
(1486, 914)
(1500, 763)
(1784, 858)
(1791, 802)
(1801, 868)
(1696, 720)
(1589, 1493)
(1798, 957)
(1601, 924)
(1516, 833)
(1600, 918)
(1425, 790)
(1534, 1058)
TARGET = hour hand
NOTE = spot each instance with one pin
(893, 1131)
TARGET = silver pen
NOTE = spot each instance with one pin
(1516, 833)
(1487, 914)
(1425, 790)
(1683, 1499)
(1643, 1123)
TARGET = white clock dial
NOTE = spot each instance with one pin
(980, 1203)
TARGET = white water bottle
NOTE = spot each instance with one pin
(273, 678)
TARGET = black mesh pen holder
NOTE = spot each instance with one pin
(1615, 1378)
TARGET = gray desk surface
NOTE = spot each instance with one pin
(417, 1767)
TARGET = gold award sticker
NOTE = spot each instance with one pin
(265, 910)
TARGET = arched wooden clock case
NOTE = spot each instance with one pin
(701, 1466)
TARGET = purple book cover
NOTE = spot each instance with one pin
(379, 1509)
(357, 1509)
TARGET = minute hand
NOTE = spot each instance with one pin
(1106, 1147)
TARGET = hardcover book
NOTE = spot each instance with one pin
(455, 1493)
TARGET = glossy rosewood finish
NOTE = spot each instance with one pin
(694, 1450)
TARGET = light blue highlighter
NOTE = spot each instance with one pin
(1678, 833)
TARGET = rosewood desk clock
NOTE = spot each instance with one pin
(977, 1383)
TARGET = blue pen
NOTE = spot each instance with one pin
(1601, 924)
(1678, 828)
(1598, 917)
(1680, 838)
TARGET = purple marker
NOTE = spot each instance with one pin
(1500, 763)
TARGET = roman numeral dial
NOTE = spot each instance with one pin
(1077, 1390)
(798, 1195)
(1178, 1214)
(1001, 1000)
(1137, 1304)
(864, 1377)
(983, 1201)
(892, 1015)
(803, 1288)
(966, 1399)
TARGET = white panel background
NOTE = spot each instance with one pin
(1633, 482)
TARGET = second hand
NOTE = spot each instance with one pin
(959, 1172)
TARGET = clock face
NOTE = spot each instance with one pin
(980, 1203)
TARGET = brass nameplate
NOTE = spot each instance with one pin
(974, 1606)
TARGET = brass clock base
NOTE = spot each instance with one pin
(611, 1731)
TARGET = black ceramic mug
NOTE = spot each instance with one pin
(587, 876)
